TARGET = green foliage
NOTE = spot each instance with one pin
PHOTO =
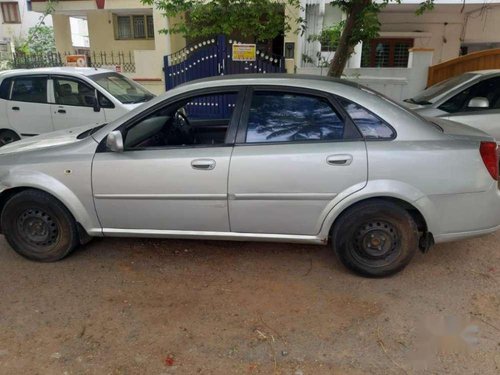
(41, 40)
(329, 36)
(5, 65)
(257, 19)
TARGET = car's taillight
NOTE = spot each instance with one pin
(488, 151)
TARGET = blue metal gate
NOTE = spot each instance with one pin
(213, 57)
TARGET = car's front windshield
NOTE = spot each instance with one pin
(429, 95)
(122, 88)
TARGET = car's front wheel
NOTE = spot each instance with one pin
(375, 238)
(38, 226)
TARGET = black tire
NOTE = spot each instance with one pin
(8, 136)
(38, 226)
(376, 238)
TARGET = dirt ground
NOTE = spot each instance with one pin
(121, 306)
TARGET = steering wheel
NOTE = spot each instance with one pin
(183, 127)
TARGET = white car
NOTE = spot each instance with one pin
(36, 101)
(471, 98)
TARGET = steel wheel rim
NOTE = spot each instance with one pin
(376, 243)
(37, 228)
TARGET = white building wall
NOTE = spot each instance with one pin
(10, 32)
(396, 83)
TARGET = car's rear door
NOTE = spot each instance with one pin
(296, 150)
(28, 109)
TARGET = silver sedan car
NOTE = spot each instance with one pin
(266, 158)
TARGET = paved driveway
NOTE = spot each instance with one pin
(184, 307)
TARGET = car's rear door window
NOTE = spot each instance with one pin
(292, 117)
(30, 89)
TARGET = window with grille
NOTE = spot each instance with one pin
(139, 27)
(386, 53)
(150, 26)
(124, 29)
(10, 12)
(134, 27)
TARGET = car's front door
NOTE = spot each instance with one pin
(28, 110)
(486, 119)
(172, 175)
(295, 152)
(74, 104)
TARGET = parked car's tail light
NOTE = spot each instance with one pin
(489, 155)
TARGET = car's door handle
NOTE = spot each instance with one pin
(61, 111)
(340, 159)
(15, 108)
(203, 164)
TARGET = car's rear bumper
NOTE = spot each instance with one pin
(460, 216)
(447, 237)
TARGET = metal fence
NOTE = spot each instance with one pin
(214, 57)
(94, 59)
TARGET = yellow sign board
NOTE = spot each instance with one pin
(244, 52)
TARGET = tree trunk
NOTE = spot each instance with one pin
(346, 45)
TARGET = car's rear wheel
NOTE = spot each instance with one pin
(376, 238)
(38, 226)
(8, 136)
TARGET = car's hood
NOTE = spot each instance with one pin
(57, 138)
(460, 130)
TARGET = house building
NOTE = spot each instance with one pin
(395, 63)
(16, 18)
(118, 32)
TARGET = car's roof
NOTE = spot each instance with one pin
(270, 78)
(56, 70)
(311, 82)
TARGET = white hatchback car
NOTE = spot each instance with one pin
(42, 100)
(472, 98)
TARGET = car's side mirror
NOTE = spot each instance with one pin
(114, 141)
(479, 102)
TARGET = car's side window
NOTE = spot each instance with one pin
(291, 117)
(489, 89)
(73, 92)
(370, 125)
(202, 120)
(104, 102)
(30, 89)
(5, 88)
